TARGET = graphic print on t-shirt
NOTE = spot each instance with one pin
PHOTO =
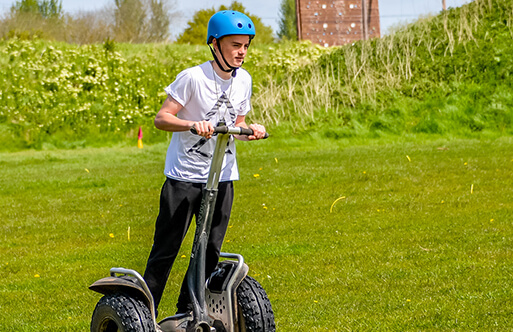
(223, 100)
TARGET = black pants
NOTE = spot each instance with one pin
(179, 202)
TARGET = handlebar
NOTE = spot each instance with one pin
(231, 130)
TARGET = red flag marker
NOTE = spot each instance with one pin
(139, 139)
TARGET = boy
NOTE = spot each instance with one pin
(200, 97)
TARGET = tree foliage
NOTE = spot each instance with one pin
(43, 8)
(288, 20)
(50, 8)
(141, 21)
(89, 27)
(130, 19)
(158, 27)
(196, 32)
(136, 21)
(33, 18)
(25, 6)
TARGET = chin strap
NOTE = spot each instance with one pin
(231, 69)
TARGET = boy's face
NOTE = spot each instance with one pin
(234, 48)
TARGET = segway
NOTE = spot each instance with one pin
(230, 300)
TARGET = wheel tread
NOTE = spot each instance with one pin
(129, 312)
(256, 307)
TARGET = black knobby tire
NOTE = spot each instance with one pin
(255, 307)
(121, 313)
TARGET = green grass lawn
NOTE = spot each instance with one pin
(365, 236)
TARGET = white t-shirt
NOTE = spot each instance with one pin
(205, 96)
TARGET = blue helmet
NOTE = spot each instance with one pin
(229, 22)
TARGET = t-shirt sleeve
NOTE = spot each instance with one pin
(181, 89)
(246, 105)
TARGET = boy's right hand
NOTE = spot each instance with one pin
(204, 128)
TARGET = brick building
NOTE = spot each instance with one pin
(337, 22)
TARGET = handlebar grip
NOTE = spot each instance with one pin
(240, 131)
(231, 130)
(246, 131)
(217, 130)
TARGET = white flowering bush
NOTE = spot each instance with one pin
(57, 92)
(64, 92)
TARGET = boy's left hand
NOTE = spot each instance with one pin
(258, 132)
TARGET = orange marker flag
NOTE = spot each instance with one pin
(139, 139)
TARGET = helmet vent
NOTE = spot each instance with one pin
(239, 25)
(249, 26)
